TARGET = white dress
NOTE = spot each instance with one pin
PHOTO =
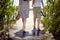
(24, 9)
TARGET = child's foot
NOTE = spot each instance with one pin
(24, 33)
(34, 29)
(38, 31)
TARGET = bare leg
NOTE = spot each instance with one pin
(34, 21)
(34, 29)
(24, 23)
(38, 20)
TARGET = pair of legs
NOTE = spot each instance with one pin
(38, 21)
(37, 16)
(24, 23)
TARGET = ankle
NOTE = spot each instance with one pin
(38, 28)
(23, 29)
(34, 26)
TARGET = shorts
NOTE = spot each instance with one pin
(37, 12)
